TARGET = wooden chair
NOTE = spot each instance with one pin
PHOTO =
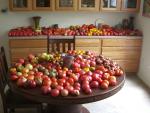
(60, 44)
(11, 100)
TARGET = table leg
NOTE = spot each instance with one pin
(67, 109)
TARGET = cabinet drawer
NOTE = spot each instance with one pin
(122, 53)
(88, 42)
(96, 50)
(24, 52)
(128, 65)
(121, 42)
(28, 43)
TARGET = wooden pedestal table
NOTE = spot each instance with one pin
(69, 104)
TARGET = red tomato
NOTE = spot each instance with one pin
(59, 87)
(105, 75)
(111, 72)
(106, 81)
(55, 92)
(94, 84)
(53, 79)
(112, 80)
(69, 88)
(13, 77)
(104, 85)
(30, 77)
(32, 83)
(71, 81)
(47, 82)
(54, 84)
(118, 72)
(88, 91)
(95, 76)
(46, 89)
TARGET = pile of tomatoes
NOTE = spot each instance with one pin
(49, 72)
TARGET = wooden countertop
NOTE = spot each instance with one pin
(78, 37)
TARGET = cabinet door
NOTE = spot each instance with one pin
(110, 5)
(20, 5)
(66, 5)
(88, 5)
(130, 5)
(43, 5)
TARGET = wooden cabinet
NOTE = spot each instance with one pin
(74, 5)
(120, 5)
(110, 5)
(46, 5)
(66, 5)
(20, 5)
(126, 52)
(130, 5)
(28, 5)
(88, 5)
(21, 48)
(88, 45)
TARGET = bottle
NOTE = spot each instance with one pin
(125, 24)
(131, 23)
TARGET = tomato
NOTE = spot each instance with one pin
(55, 92)
(88, 91)
(32, 83)
(104, 85)
(53, 79)
(75, 92)
(94, 84)
(40, 74)
(85, 86)
(46, 89)
(59, 87)
(54, 84)
(21, 81)
(69, 88)
(13, 77)
(30, 77)
(95, 76)
(45, 77)
(25, 70)
(112, 80)
(71, 81)
(111, 72)
(119, 72)
(61, 74)
(31, 72)
(64, 92)
(47, 82)
(75, 77)
(106, 81)
(102, 68)
(105, 76)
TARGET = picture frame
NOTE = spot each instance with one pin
(146, 8)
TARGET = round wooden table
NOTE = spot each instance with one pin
(69, 104)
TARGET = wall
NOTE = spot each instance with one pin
(15, 19)
(144, 24)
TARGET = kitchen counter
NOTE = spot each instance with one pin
(78, 37)
(125, 50)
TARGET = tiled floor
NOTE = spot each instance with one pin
(134, 97)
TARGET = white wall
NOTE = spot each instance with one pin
(144, 71)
